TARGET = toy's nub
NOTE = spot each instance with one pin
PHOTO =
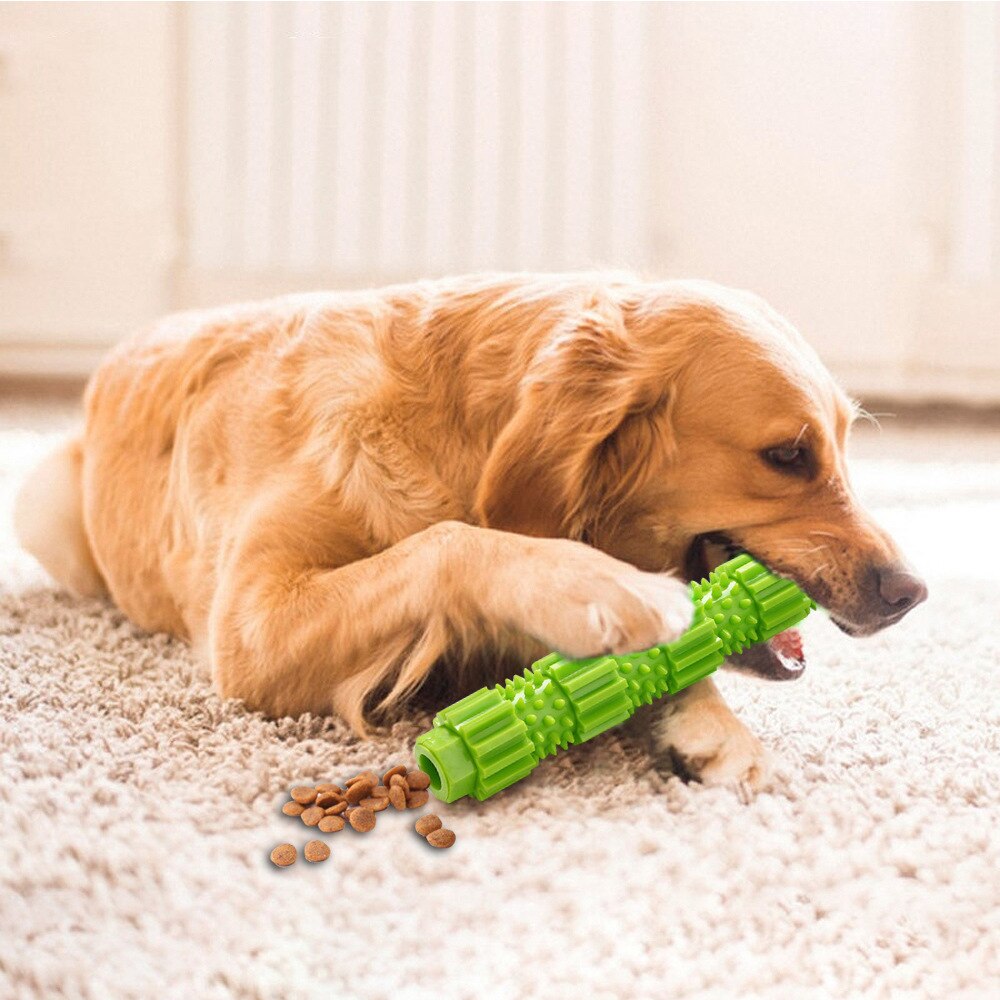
(496, 736)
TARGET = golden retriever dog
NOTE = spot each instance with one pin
(337, 496)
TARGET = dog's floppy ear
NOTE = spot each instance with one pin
(580, 387)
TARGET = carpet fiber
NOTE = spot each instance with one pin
(138, 811)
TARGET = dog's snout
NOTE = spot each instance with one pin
(900, 590)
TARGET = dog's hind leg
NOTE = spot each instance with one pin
(48, 519)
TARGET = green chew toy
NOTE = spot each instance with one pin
(496, 736)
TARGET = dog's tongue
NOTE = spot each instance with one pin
(778, 659)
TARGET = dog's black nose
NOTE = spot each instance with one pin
(900, 590)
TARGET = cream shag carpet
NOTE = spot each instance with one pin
(138, 811)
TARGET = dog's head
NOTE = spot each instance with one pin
(677, 424)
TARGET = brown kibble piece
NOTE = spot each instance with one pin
(397, 796)
(337, 808)
(304, 794)
(417, 780)
(380, 792)
(417, 799)
(326, 799)
(378, 806)
(283, 855)
(398, 779)
(293, 808)
(331, 824)
(358, 791)
(370, 776)
(312, 815)
(362, 820)
(441, 838)
(336, 789)
(427, 824)
(315, 851)
(398, 769)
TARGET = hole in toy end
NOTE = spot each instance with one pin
(447, 762)
(427, 766)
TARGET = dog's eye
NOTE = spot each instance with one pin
(787, 458)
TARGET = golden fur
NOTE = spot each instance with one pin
(330, 494)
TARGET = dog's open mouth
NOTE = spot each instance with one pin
(779, 659)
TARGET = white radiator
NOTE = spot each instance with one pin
(371, 142)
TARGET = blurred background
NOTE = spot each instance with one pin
(843, 160)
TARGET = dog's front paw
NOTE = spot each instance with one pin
(583, 602)
(706, 742)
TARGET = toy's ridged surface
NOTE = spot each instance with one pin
(496, 736)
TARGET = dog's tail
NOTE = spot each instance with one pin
(48, 519)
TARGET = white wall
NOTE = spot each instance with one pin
(786, 144)
(815, 153)
(363, 141)
(841, 159)
(88, 212)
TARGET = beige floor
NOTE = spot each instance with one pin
(138, 809)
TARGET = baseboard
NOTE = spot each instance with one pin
(50, 361)
(922, 386)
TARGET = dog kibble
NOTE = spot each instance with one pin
(283, 855)
(398, 769)
(362, 820)
(312, 815)
(441, 838)
(417, 799)
(358, 791)
(330, 808)
(417, 780)
(427, 824)
(316, 851)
